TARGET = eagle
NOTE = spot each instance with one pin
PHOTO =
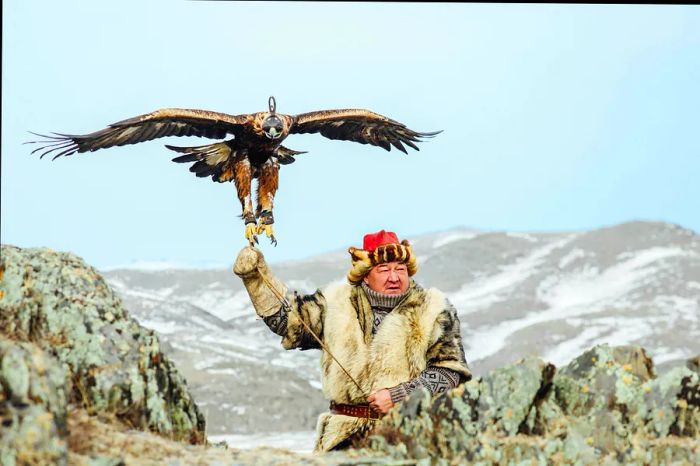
(254, 151)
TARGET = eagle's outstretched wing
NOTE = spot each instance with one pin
(360, 126)
(158, 124)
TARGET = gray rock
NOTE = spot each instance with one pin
(605, 407)
(65, 307)
(32, 406)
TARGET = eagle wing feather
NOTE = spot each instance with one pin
(154, 125)
(359, 125)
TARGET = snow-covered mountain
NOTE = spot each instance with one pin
(554, 294)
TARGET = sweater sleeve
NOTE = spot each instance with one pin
(277, 322)
(434, 379)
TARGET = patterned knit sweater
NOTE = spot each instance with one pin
(435, 379)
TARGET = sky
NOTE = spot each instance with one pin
(554, 117)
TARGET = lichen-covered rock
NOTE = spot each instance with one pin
(32, 406)
(65, 307)
(672, 404)
(509, 396)
(605, 407)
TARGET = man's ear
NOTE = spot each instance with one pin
(366, 280)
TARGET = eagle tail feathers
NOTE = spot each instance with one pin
(213, 160)
(285, 156)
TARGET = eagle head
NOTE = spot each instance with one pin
(272, 126)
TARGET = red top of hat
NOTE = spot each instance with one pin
(373, 240)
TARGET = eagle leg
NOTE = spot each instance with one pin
(268, 181)
(242, 178)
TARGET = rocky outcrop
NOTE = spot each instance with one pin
(67, 339)
(605, 407)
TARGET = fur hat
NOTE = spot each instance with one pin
(379, 248)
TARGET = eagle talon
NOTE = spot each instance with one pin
(267, 229)
(251, 233)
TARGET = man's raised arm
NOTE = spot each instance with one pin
(265, 291)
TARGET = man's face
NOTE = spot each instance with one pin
(389, 278)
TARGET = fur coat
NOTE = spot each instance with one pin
(421, 331)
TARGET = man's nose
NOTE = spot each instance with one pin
(393, 276)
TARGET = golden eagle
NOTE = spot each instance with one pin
(255, 151)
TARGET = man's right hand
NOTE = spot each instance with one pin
(247, 261)
(380, 400)
(259, 281)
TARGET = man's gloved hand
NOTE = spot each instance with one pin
(247, 262)
(251, 266)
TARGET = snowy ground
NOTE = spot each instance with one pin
(299, 442)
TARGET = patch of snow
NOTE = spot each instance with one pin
(165, 292)
(139, 293)
(564, 352)
(299, 442)
(203, 323)
(452, 237)
(682, 308)
(421, 259)
(228, 371)
(302, 286)
(116, 283)
(626, 330)
(662, 355)
(591, 286)
(208, 362)
(285, 362)
(163, 328)
(488, 340)
(223, 304)
(524, 236)
(574, 254)
(316, 384)
(485, 291)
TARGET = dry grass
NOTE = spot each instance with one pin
(91, 436)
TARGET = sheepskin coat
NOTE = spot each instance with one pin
(421, 331)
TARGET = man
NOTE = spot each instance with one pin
(383, 335)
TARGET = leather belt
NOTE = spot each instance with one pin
(362, 410)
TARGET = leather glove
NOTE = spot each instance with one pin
(249, 265)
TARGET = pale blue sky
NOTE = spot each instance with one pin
(555, 117)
